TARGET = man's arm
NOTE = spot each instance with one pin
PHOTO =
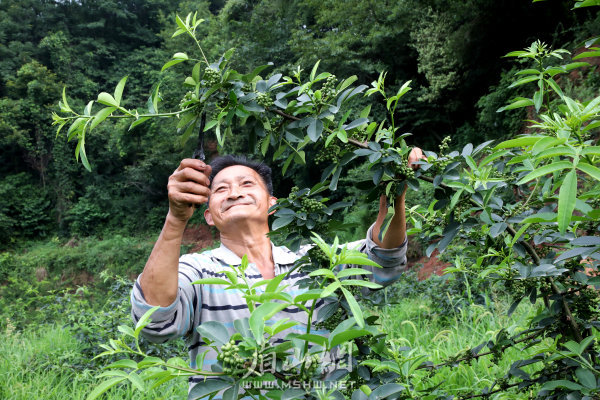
(188, 186)
(396, 233)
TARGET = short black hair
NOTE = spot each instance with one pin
(222, 162)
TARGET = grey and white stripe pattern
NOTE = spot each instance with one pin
(196, 304)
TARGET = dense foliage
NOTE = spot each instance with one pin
(450, 53)
(498, 202)
(520, 213)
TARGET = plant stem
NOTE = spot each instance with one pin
(476, 356)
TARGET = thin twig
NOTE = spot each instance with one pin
(476, 356)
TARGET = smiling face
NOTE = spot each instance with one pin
(237, 194)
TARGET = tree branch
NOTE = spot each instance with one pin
(355, 142)
(476, 356)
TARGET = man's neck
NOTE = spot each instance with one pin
(256, 247)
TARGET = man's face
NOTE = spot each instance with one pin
(238, 193)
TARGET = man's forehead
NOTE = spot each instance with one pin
(235, 172)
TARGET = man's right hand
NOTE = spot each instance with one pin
(189, 185)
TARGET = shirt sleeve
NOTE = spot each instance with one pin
(177, 319)
(392, 261)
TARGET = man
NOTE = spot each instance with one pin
(239, 193)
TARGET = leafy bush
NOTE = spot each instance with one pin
(25, 209)
(535, 243)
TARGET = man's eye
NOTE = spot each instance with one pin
(220, 189)
(248, 182)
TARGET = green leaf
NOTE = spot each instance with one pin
(126, 330)
(540, 217)
(329, 289)
(587, 54)
(546, 169)
(103, 387)
(346, 336)
(519, 142)
(493, 156)
(169, 64)
(135, 379)
(347, 82)
(101, 116)
(138, 121)
(125, 363)
(308, 295)
(358, 282)
(552, 83)
(322, 272)
(352, 272)
(311, 337)
(528, 72)
(259, 315)
(356, 123)
(315, 129)
(80, 149)
(215, 331)
(232, 393)
(282, 221)
(357, 259)
(516, 104)
(589, 169)
(538, 99)
(586, 377)
(211, 281)
(555, 152)
(64, 99)
(119, 90)
(107, 99)
(314, 70)
(273, 284)
(209, 386)
(566, 200)
(145, 320)
(523, 81)
(561, 383)
(354, 307)
(403, 89)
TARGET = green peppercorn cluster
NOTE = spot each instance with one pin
(187, 99)
(403, 171)
(328, 89)
(460, 211)
(211, 76)
(586, 305)
(318, 257)
(230, 358)
(310, 368)
(311, 205)
(445, 145)
(333, 320)
(327, 154)
(264, 100)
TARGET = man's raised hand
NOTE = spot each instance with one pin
(189, 185)
(415, 155)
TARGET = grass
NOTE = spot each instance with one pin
(411, 324)
(38, 364)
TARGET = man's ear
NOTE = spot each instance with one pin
(208, 217)
(272, 201)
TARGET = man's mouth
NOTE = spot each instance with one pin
(236, 204)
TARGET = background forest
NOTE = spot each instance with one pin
(71, 240)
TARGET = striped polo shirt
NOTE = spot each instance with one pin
(196, 304)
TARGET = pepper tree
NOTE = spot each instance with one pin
(525, 210)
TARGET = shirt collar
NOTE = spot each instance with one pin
(281, 255)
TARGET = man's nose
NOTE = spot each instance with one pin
(234, 192)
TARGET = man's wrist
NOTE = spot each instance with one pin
(173, 227)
